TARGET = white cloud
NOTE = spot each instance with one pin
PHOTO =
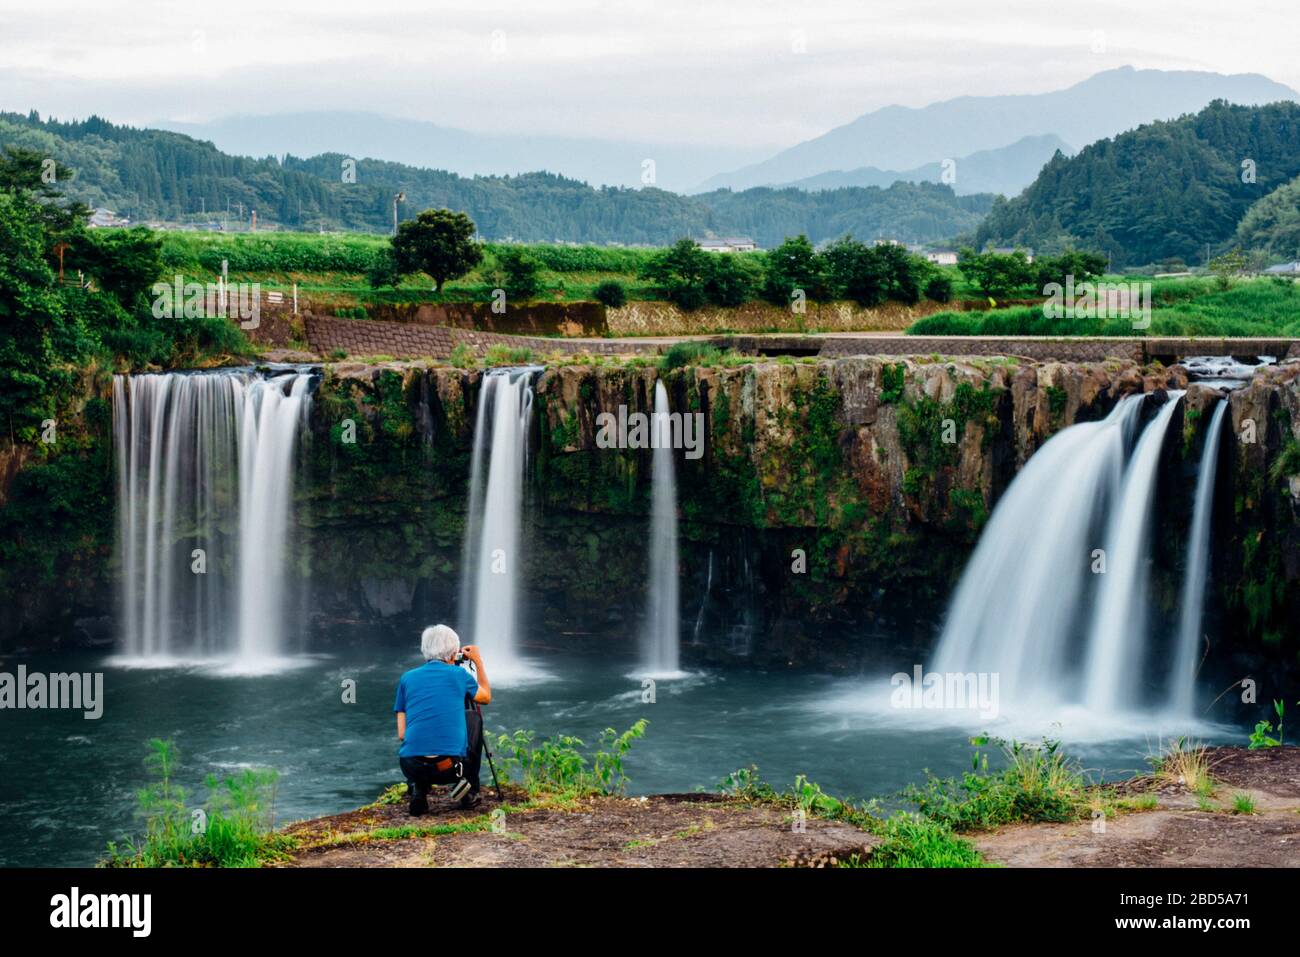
(667, 70)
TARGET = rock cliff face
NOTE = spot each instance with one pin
(824, 522)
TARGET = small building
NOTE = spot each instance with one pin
(942, 257)
(100, 217)
(889, 242)
(733, 244)
(1284, 269)
(1008, 250)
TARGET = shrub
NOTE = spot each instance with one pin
(1038, 784)
(939, 288)
(611, 293)
(557, 765)
(689, 353)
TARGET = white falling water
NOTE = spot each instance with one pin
(660, 637)
(493, 560)
(1016, 609)
(1183, 676)
(205, 461)
(1118, 645)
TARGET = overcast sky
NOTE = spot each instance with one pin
(744, 72)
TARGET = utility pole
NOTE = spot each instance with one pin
(397, 198)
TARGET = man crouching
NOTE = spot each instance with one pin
(442, 738)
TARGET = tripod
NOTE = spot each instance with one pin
(482, 734)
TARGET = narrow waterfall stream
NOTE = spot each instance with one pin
(493, 560)
(205, 466)
(1192, 605)
(661, 635)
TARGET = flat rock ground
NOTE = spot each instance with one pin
(709, 830)
(668, 830)
(1183, 830)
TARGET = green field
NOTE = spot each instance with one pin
(1180, 307)
(335, 265)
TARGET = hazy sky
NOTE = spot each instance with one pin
(743, 72)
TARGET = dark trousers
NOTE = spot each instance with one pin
(422, 773)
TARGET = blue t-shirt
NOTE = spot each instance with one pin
(433, 697)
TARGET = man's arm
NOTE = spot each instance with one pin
(484, 693)
(401, 726)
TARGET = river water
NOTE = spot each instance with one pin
(69, 784)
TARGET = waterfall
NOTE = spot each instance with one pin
(205, 468)
(491, 573)
(1183, 677)
(1016, 608)
(660, 637)
(1118, 645)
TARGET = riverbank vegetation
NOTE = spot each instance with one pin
(234, 827)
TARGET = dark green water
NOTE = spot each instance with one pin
(68, 784)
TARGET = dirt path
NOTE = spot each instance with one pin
(1183, 830)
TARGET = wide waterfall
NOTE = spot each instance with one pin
(660, 637)
(492, 558)
(205, 474)
(1055, 600)
(1192, 607)
(1016, 608)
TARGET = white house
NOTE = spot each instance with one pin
(731, 245)
(1283, 269)
(106, 217)
(942, 257)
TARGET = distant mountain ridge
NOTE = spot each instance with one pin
(1103, 105)
(417, 143)
(160, 175)
(1007, 170)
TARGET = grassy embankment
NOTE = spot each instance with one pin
(1180, 307)
(1008, 783)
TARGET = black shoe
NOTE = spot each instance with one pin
(470, 800)
(419, 805)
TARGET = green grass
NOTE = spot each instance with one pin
(235, 827)
(911, 840)
(560, 767)
(1183, 307)
(1035, 783)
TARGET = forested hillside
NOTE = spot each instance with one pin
(1163, 191)
(156, 175)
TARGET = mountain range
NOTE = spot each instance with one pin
(1007, 170)
(676, 167)
(899, 137)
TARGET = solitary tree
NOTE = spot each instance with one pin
(438, 242)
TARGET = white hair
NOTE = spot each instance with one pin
(438, 641)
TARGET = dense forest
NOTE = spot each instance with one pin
(155, 175)
(1159, 193)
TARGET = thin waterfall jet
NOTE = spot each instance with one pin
(660, 652)
(205, 462)
(1017, 606)
(494, 559)
(1183, 677)
(1117, 647)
